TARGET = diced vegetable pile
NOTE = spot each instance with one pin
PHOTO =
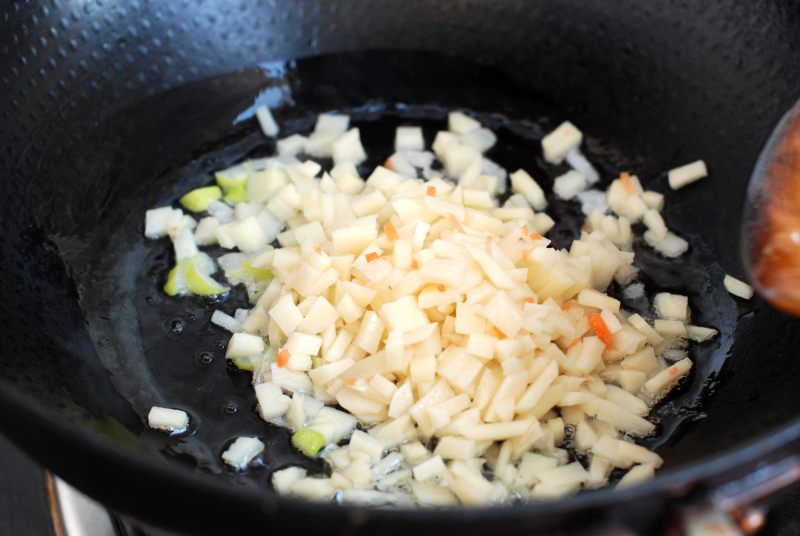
(424, 339)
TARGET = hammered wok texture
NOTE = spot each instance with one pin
(663, 81)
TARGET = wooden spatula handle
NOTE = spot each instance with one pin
(772, 231)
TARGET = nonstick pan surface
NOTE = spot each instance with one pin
(90, 343)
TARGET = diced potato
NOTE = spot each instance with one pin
(458, 367)
(313, 488)
(358, 404)
(497, 431)
(470, 486)
(481, 139)
(738, 288)
(293, 381)
(369, 333)
(670, 328)
(460, 123)
(431, 468)
(414, 452)
(569, 184)
(285, 314)
(395, 432)
(403, 315)
(348, 148)
(456, 448)
(536, 390)
(653, 200)
(363, 442)
(659, 383)
(284, 479)
(244, 345)
(409, 139)
(687, 174)
(523, 183)
(636, 475)
(303, 343)
(432, 495)
(593, 298)
(612, 414)
(428, 309)
(319, 316)
(560, 141)
(402, 401)
(422, 367)
(324, 374)
(671, 246)
(644, 360)
(623, 454)
(653, 337)
(481, 345)
(572, 473)
(353, 239)
(655, 223)
(626, 400)
(174, 421)
(242, 451)
(671, 306)
(700, 334)
(366, 204)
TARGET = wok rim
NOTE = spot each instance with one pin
(671, 485)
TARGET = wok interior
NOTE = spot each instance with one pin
(658, 84)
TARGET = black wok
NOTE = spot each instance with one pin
(111, 108)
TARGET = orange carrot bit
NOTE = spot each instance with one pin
(350, 381)
(530, 299)
(673, 371)
(431, 191)
(627, 183)
(568, 305)
(390, 231)
(388, 164)
(414, 264)
(283, 357)
(600, 329)
(536, 236)
(498, 332)
(574, 343)
(318, 250)
(455, 223)
(440, 287)
(372, 256)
